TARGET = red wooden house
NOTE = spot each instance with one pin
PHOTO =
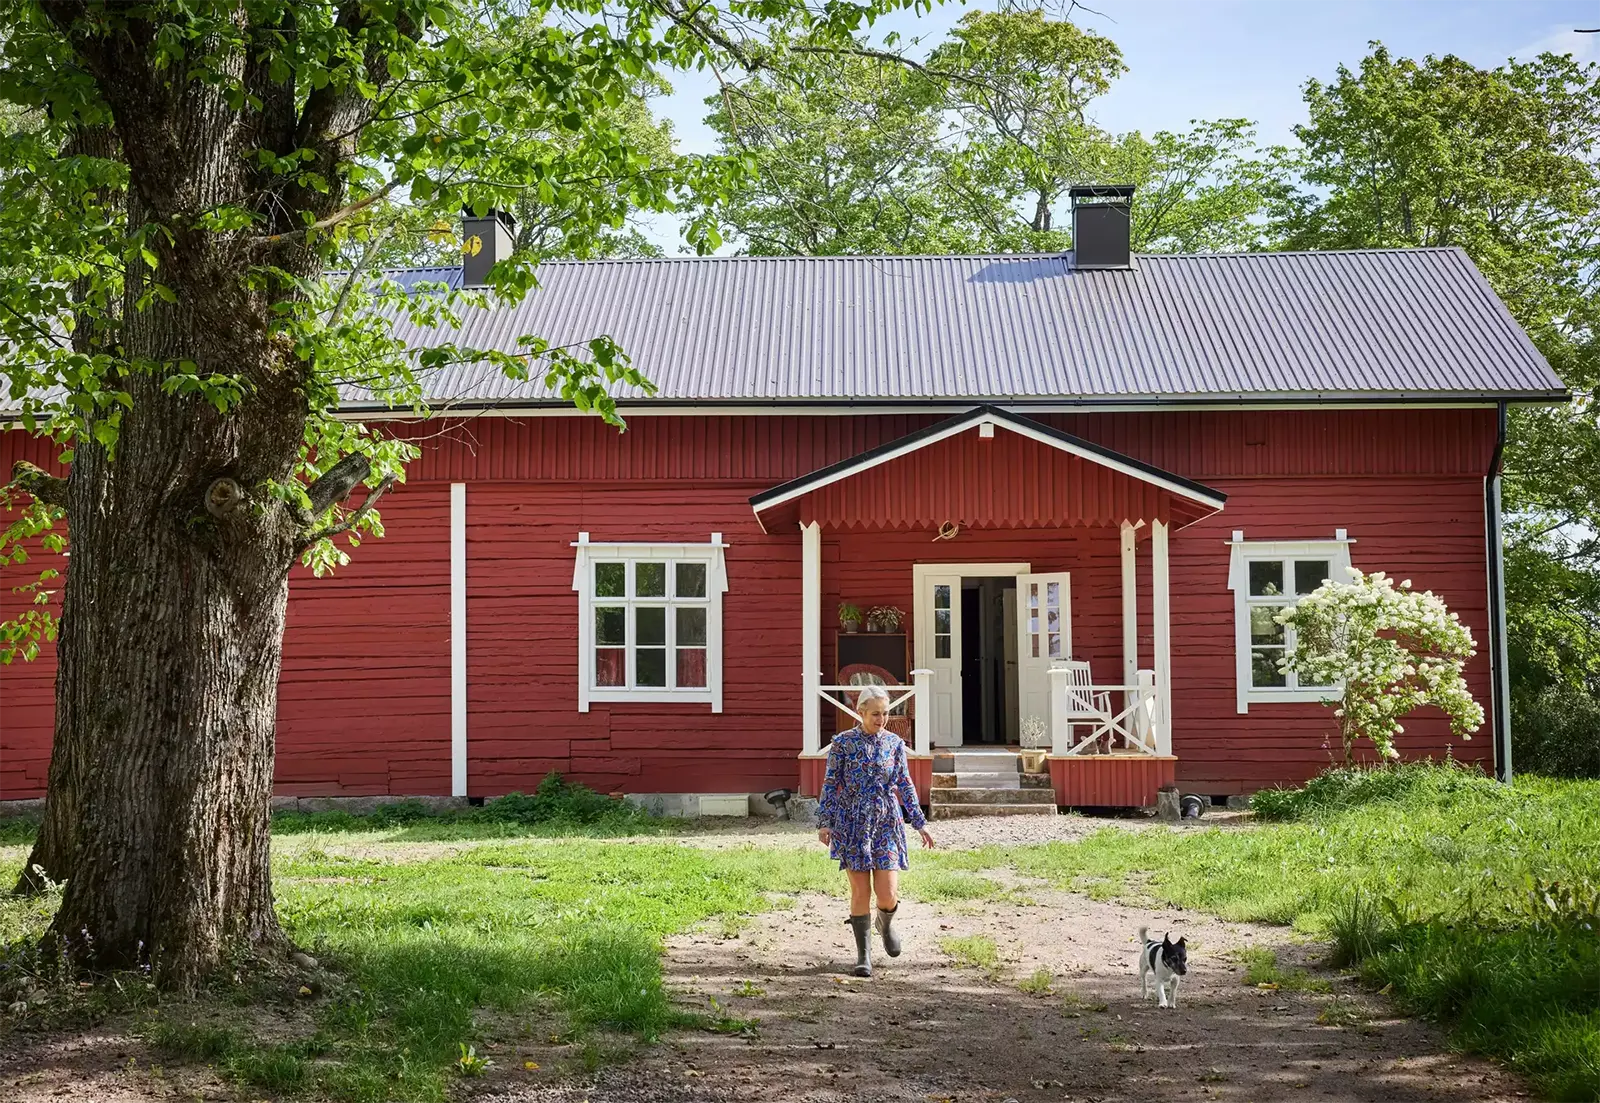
(1043, 461)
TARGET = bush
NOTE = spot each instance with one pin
(557, 801)
(1344, 787)
(556, 804)
(1556, 733)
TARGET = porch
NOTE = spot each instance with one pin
(988, 655)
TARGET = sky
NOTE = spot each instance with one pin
(1211, 59)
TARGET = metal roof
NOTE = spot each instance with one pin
(1389, 325)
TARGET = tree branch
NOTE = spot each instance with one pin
(35, 480)
(333, 219)
(354, 519)
(336, 483)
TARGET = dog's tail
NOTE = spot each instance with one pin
(1144, 935)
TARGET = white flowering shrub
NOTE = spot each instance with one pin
(1390, 649)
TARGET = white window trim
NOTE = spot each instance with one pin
(1335, 551)
(589, 554)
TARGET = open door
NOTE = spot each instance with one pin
(943, 614)
(1044, 636)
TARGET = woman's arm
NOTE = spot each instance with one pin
(907, 791)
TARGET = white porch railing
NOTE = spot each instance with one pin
(918, 695)
(1108, 713)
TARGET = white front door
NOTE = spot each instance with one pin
(943, 617)
(1044, 636)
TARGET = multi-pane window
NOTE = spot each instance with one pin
(1275, 584)
(650, 622)
(1044, 619)
(941, 621)
(1267, 578)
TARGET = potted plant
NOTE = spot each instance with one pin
(849, 617)
(884, 618)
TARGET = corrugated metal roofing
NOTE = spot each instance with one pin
(1417, 324)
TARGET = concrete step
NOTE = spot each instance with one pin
(1036, 781)
(1012, 796)
(963, 811)
(986, 762)
(987, 780)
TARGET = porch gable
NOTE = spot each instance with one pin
(987, 468)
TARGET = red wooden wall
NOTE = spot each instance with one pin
(364, 704)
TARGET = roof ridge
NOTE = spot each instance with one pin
(880, 258)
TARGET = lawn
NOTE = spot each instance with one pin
(1471, 903)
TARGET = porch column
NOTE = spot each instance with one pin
(811, 636)
(922, 702)
(1130, 607)
(1161, 616)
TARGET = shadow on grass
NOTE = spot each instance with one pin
(407, 1011)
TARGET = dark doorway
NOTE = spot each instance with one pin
(988, 666)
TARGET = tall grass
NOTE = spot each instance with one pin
(1474, 902)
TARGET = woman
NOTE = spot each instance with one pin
(867, 797)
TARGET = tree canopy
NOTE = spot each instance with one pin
(197, 199)
(972, 150)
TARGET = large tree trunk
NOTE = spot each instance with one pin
(172, 629)
(170, 644)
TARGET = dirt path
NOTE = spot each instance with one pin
(925, 1030)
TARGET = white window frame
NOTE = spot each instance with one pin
(1243, 553)
(587, 555)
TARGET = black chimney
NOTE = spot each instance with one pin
(1102, 225)
(485, 242)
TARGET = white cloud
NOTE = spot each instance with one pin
(1563, 39)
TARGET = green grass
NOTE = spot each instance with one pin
(508, 930)
(977, 951)
(1261, 968)
(468, 946)
(1475, 903)
(1038, 983)
(556, 808)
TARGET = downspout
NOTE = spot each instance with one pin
(1499, 672)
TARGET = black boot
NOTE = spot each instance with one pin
(891, 941)
(861, 925)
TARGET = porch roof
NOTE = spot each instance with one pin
(987, 468)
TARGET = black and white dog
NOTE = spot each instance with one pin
(1168, 960)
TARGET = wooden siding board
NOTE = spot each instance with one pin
(364, 704)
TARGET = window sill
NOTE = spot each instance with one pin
(1290, 696)
(651, 696)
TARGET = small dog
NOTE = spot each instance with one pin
(1168, 960)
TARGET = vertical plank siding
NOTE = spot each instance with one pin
(365, 695)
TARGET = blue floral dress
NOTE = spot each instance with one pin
(867, 800)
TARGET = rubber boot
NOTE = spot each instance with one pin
(891, 941)
(861, 925)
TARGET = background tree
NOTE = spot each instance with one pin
(165, 224)
(973, 151)
(842, 152)
(1505, 164)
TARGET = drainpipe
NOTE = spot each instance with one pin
(1499, 672)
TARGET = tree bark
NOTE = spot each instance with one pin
(172, 626)
(57, 841)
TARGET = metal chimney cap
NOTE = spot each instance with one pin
(1123, 192)
(505, 218)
